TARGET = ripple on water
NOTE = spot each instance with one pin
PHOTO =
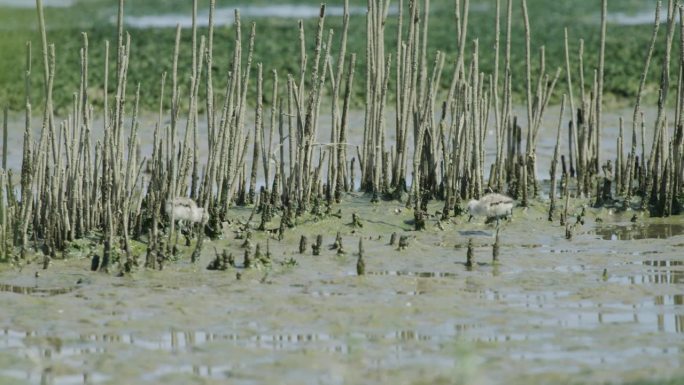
(662, 313)
(419, 274)
(663, 263)
(639, 231)
(653, 272)
(650, 277)
(86, 347)
(205, 371)
(76, 347)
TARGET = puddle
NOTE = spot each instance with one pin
(570, 268)
(661, 313)
(651, 277)
(639, 231)
(47, 376)
(325, 294)
(205, 371)
(673, 300)
(225, 16)
(476, 233)
(663, 263)
(519, 299)
(409, 293)
(652, 317)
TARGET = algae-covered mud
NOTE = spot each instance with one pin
(605, 306)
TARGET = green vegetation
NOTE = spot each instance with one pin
(278, 47)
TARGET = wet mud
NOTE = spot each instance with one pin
(606, 306)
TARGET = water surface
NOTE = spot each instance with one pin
(550, 310)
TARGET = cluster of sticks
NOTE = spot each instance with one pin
(72, 188)
(448, 146)
(656, 177)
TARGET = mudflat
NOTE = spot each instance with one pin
(602, 307)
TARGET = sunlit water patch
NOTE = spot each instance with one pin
(71, 350)
(46, 351)
(421, 274)
(547, 297)
(639, 231)
(662, 313)
(652, 277)
(225, 16)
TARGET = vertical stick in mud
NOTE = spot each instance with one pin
(572, 132)
(258, 127)
(554, 162)
(637, 106)
(601, 70)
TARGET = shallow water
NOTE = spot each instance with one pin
(545, 146)
(545, 313)
(622, 232)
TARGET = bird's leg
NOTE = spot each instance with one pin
(188, 234)
(470, 218)
(181, 225)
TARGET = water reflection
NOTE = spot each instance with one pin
(409, 293)
(204, 371)
(659, 313)
(639, 231)
(420, 274)
(658, 272)
(663, 263)
(324, 293)
(48, 377)
(188, 341)
(36, 291)
(78, 349)
(669, 277)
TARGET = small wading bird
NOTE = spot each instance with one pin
(492, 206)
(185, 209)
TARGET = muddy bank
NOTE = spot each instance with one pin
(600, 307)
